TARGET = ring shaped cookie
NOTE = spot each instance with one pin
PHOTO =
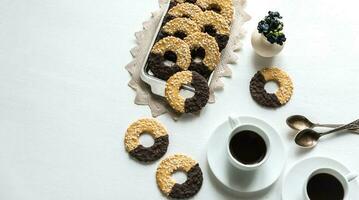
(180, 27)
(184, 1)
(187, 10)
(215, 25)
(187, 105)
(210, 49)
(169, 48)
(179, 163)
(156, 130)
(280, 97)
(223, 7)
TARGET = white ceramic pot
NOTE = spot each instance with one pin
(264, 48)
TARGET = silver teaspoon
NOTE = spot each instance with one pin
(300, 122)
(308, 138)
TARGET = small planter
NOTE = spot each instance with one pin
(264, 48)
(268, 40)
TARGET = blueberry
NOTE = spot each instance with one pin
(272, 28)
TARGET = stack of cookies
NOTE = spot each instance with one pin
(188, 48)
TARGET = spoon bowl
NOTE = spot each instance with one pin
(299, 122)
(307, 138)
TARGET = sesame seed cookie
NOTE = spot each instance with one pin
(169, 186)
(222, 7)
(180, 27)
(156, 130)
(184, 1)
(215, 25)
(184, 10)
(205, 47)
(277, 99)
(170, 49)
(187, 105)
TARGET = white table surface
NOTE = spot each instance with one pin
(65, 103)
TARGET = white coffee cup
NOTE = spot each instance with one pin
(344, 179)
(237, 126)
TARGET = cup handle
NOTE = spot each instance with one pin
(351, 176)
(233, 121)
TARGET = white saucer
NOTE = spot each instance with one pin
(242, 182)
(296, 177)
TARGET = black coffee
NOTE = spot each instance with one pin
(247, 147)
(325, 186)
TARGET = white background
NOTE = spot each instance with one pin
(65, 103)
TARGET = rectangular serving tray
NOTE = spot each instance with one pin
(158, 85)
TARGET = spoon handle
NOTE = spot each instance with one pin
(329, 125)
(335, 126)
(351, 126)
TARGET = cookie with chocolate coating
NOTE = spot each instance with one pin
(222, 7)
(205, 53)
(187, 105)
(215, 25)
(277, 99)
(168, 185)
(136, 149)
(180, 27)
(168, 56)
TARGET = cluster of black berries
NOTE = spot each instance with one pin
(272, 28)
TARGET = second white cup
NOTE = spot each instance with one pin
(342, 186)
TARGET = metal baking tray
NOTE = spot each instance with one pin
(158, 85)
